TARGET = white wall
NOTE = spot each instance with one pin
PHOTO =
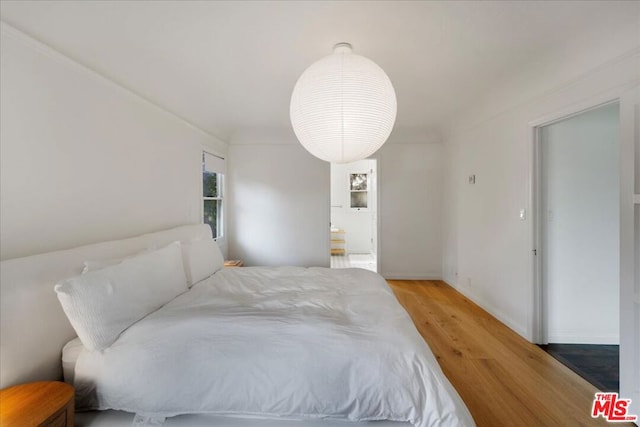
(279, 201)
(410, 175)
(581, 227)
(358, 224)
(280, 198)
(487, 248)
(84, 160)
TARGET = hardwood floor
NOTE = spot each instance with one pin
(503, 379)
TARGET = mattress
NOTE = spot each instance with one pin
(282, 343)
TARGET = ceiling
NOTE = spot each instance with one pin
(227, 66)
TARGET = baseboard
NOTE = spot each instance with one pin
(583, 339)
(518, 329)
(393, 276)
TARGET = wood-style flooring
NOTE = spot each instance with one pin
(503, 379)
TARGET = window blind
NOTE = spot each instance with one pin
(213, 163)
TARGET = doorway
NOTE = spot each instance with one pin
(354, 215)
(579, 242)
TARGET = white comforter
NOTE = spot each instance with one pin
(275, 342)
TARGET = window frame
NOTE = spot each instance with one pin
(351, 191)
(221, 194)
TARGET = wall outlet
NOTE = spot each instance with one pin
(472, 179)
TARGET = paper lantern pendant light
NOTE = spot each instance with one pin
(343, 107)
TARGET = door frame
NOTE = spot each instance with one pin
(629, 250)
(628, 98)
(376, 159)
(538, 326)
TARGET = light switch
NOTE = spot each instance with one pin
(523, 214)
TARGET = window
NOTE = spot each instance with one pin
(358, 190)
(213, 168)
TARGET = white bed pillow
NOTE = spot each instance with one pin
(93, 265)
(202, 258)
(70, 354)
(97, 264)
(101, 304)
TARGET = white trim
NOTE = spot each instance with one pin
(377, 213)
(576, 109)
(376, 157)
(327, 240)
(629, 295)
(214, 153)
(214, 162)
(404, 276)
(222, 238)
(350, 191)
(629, 367)
(9, 31)
(492, 310)
(584, 339)
(559, 88)
(536, 328)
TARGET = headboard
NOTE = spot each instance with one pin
(33, 327)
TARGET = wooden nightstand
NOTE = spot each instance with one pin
(234, 263)
(46, 403)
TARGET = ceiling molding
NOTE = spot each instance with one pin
(491, 112)
(7, 30)
(223, 68)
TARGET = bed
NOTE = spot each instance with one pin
(240, 346)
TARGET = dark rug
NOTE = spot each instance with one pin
(598, 364)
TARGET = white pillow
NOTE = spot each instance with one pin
(70, 354)
(101, 304)
(97, 264)
(93, 265)
(202, 258)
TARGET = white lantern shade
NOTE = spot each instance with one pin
(343, 107)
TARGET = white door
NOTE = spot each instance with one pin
(630, 248)
(580, 170)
